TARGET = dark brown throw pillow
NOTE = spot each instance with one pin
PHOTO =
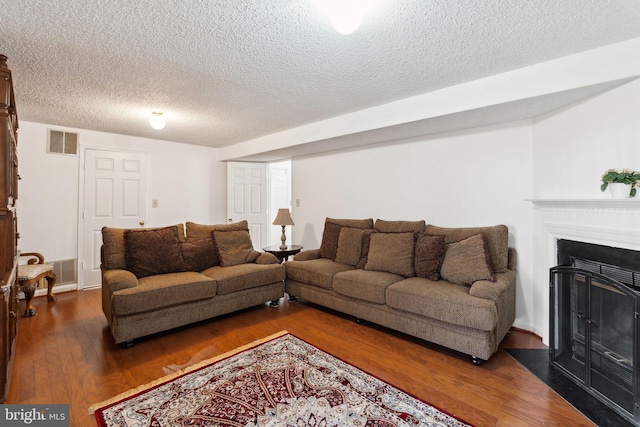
(152, 251)
(391, 252)
(467, 261)
(364, 252)
(429, 254)
(198, 255)
(330, 236)
(234, 247)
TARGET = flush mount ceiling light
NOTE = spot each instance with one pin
(346, 15)
(157, 120)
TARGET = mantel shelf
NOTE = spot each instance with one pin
(587, 203)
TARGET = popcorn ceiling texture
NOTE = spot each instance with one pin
(227, 71)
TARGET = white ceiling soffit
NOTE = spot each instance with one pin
(486, 116)
(225, 72)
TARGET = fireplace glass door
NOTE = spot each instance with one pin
(594, 327)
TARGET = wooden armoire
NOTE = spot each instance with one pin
(8, 225)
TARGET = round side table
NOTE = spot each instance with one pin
(283, 254)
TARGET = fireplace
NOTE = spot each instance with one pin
(595, 322)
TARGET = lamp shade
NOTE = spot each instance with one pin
(283, 217)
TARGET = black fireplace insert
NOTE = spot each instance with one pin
(594, 323)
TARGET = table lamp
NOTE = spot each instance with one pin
(283, 218)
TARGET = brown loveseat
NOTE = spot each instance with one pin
(158, 279)
(451, 286)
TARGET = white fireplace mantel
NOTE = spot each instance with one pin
(610, 222)
(621, 205)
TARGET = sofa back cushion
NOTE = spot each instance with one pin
(391, 252)
(331, 234)
(497, 238)
(113, 246)
(399, 226)
(152, 251)
(234, 247)
(203, 231)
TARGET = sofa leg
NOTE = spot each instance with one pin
(275, 303)
(293, 298)
(476, 360)
(127, 344)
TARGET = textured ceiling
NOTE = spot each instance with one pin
(227, 71)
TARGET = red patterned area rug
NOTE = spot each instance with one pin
(278, 381)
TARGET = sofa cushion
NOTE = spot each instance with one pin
(202, 231)
(443, 301)
(152, 251)
(234, 247)
(364, 285)
(198, 254)
(331, 234)
(399, 226)
(349, 245)
(467, 261)
(429, 254)
(317, 272)
(244, 276)
(497, 241)
(162, 290)
(113, 246)
(391, 252)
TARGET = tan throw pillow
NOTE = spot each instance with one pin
(331, 233)
(234, 247)
(467, 261)
(497, 239)
(349, 245)
(391, 252)
(198, 254)
(429, 254)
(152, 251)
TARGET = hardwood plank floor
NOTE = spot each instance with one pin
(66, 354)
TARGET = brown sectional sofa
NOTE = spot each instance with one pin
(451, 286)
(158, 279)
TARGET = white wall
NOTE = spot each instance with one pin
(188, 181)
(575, 146)
(472, 178)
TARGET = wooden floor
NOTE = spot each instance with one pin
(65, 354)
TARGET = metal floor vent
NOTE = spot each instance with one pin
(66, 272)
(60, 142)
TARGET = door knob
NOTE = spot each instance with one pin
(230, 220)
(141, 223)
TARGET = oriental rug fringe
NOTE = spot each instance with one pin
(280, 380)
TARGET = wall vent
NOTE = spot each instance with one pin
(66, 273)
(60, 142)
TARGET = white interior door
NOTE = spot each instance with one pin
(115, 194)
(279, 197)
(247, 199)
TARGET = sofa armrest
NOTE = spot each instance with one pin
(493, 290)
(307, 255)
(116, 280)
(267, 258)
